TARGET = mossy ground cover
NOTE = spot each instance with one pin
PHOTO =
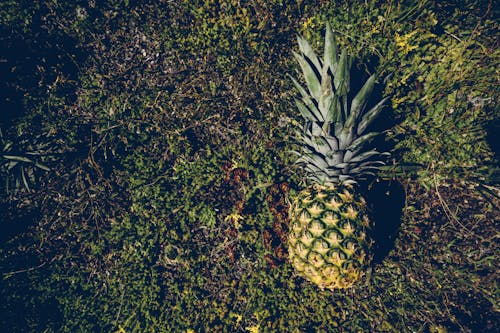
(166, 127)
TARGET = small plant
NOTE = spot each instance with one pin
(20, 169)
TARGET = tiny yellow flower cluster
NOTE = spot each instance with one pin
(308, 23)
(253, 329)
(402, 42)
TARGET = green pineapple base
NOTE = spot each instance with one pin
(328, 242)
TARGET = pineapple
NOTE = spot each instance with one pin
(329, 242)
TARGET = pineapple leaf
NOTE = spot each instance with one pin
(308, 51)
(332, 139)
(312, 147)
(339, 74)
(306, 99)
(338, 166)
(345, 139)
(326, 99)
(333, 143)
(359, 142)
(346, 179)
(305, 112)
(363, 157)
(338, 128)
(330, 57)
(310, 75)
(334, 113)
(341, 78)
(341, 81)
(300, 89)
(364, 168)
(325, 144)
(369, 116)
(359, 102)
(313, 162)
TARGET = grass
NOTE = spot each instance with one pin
(166, 128)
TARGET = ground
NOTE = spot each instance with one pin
(146, 175)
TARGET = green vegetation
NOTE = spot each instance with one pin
(154, 198)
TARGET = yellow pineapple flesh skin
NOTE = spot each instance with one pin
(329, 238)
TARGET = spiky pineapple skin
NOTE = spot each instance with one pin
(329, 242)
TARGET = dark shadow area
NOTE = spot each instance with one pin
(32, 59)
(493, 139)
(474, 312)
(23, 306)
(385, 198)
(13, 222)
(385, 201)
(13, 48)
(493, 136)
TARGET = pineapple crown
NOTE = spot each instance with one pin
(333, 136)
